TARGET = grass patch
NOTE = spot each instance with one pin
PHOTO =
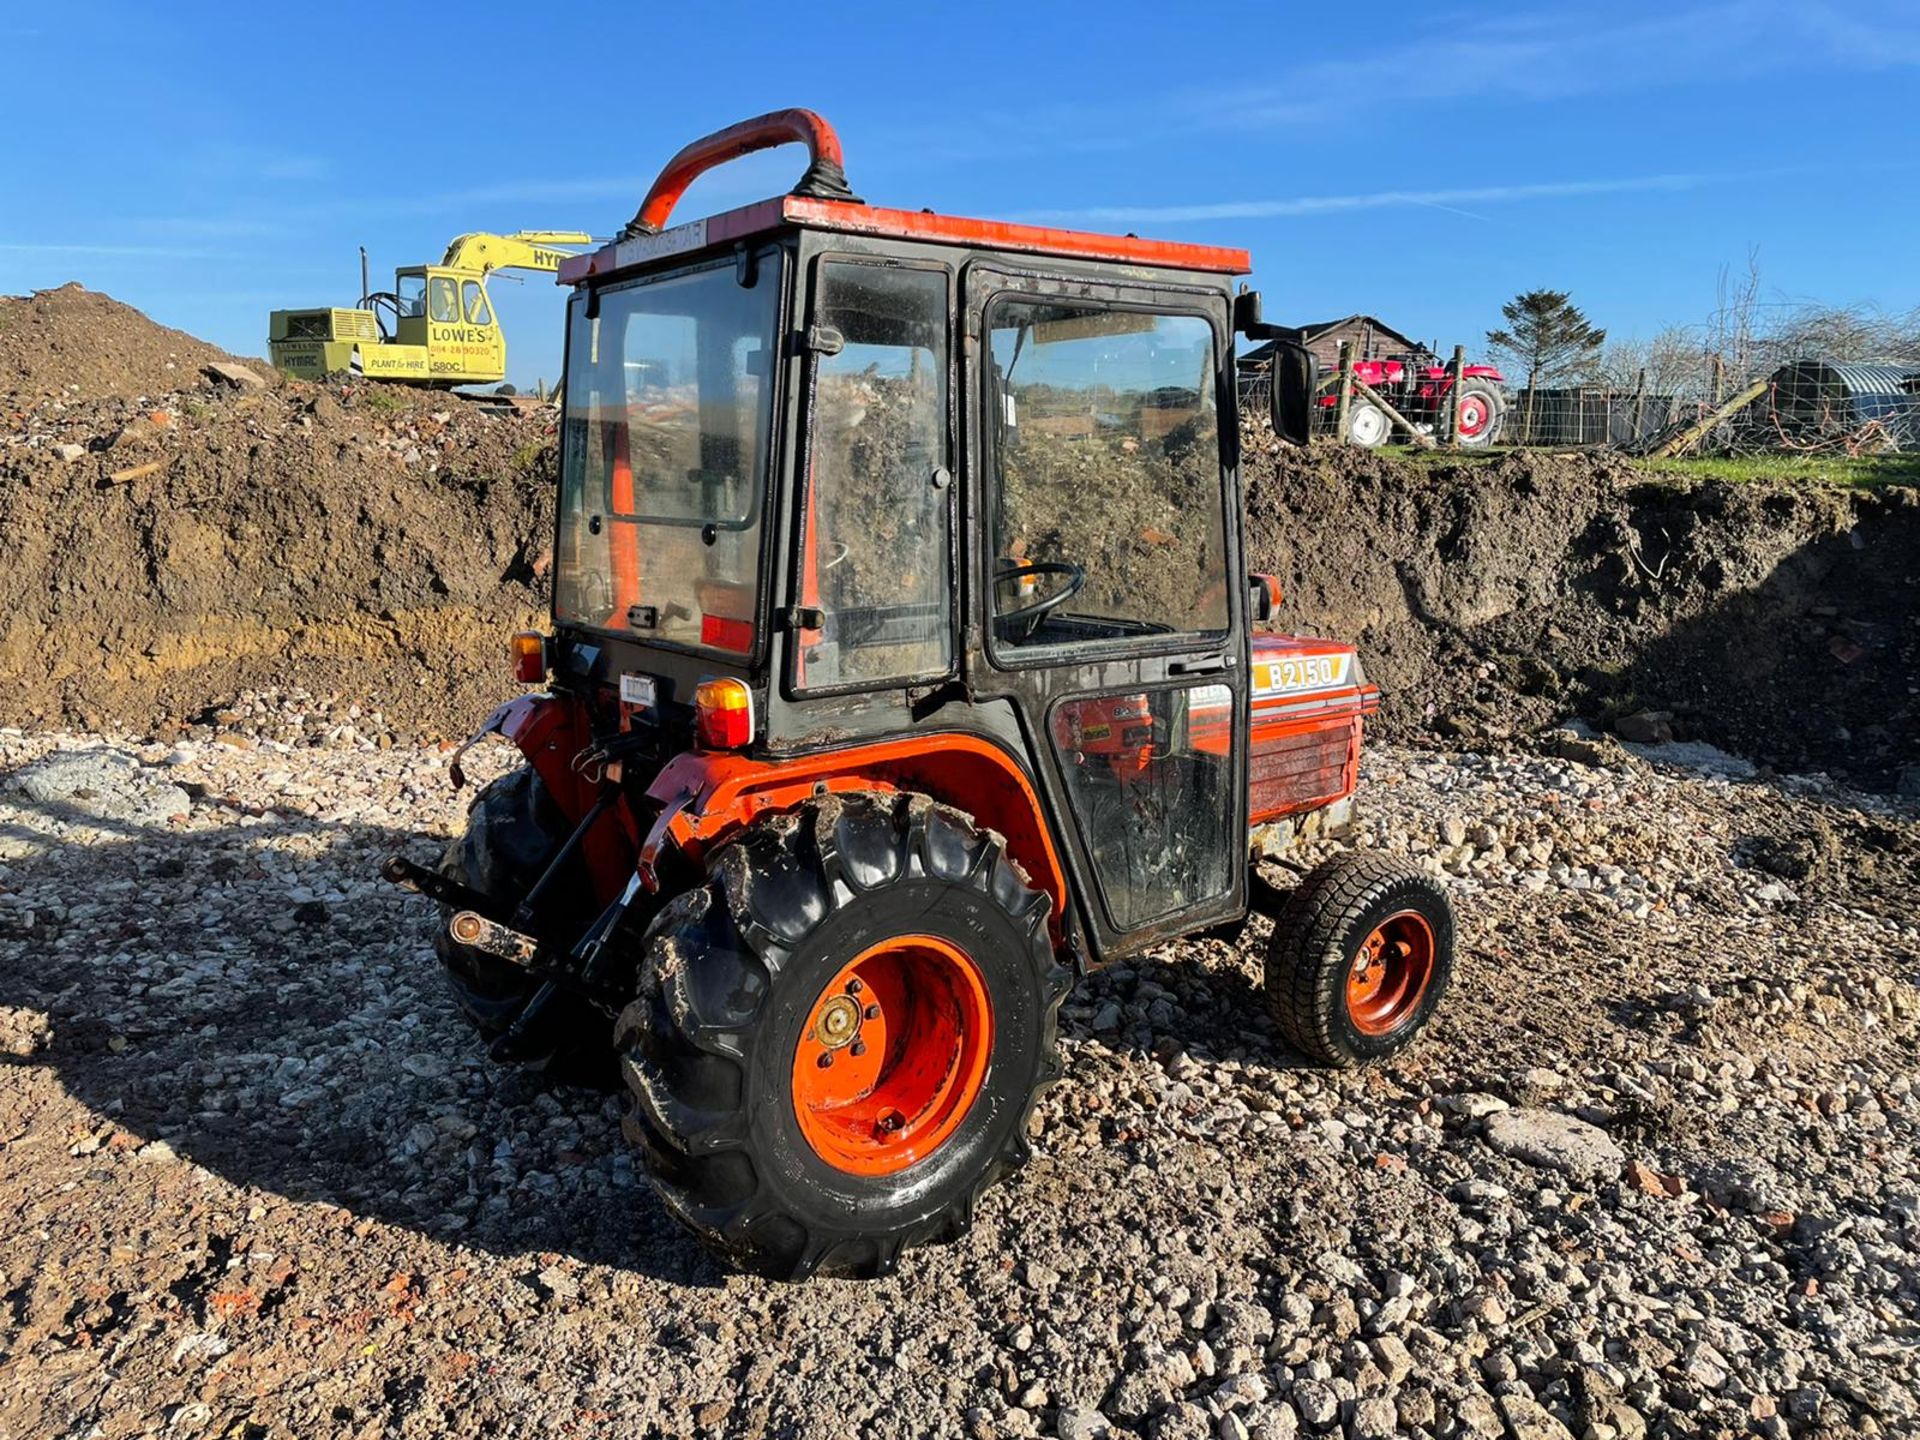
(1861, 471)
(1849, 470)
(378, 397)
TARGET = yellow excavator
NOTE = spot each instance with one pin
(435, 327)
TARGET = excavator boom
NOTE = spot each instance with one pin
(522, 250)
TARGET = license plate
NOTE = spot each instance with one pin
(637, 691)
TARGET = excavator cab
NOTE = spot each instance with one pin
(901, 669)
(449, 313)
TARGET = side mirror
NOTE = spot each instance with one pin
(1295, 379)
(1264, 602)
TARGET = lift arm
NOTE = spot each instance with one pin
(522, 250)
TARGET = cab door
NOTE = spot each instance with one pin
(484, 349)
(1107, 583)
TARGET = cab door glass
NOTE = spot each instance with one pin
(1109, 517)
(443, 300)
(478, 311)
(1150, 776)
(875, 575)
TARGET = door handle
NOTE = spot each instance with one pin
(1207, 666)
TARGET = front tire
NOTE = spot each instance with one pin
(1368, 425)
(838, 1039)
(1361, 956)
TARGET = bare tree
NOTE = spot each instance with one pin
(1733, 329)
(1671, 362)
(1853, 333)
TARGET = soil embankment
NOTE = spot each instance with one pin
(181, 541)
(178, 543)
(1490, 599)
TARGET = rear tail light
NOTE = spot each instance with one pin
(723, 714)
(528, 651)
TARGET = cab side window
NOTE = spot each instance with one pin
(443, 301)
(1108, 516)
(478, 311)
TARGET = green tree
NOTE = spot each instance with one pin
(1546, 336)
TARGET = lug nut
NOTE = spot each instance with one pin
(859, 1047)
(826, 1059)
(873, 1012)
(853, 986)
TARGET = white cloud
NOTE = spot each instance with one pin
(145, 252)
(1251, 209)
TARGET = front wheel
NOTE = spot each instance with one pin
(1367, 425)
(1360, 958)
(838, 1039)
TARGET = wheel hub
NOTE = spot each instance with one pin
(838, 1022)
(893, 1055)
(1389, 974)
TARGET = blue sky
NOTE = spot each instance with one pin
(210, 163)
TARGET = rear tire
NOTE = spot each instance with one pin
(1361, 956)
(1483, 411)
(738, 985)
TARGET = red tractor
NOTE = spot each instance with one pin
(901, 671)
(1419, 389)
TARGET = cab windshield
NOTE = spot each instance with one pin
(664, 459)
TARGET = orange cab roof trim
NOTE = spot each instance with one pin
(853, 218)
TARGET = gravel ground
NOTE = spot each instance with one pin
(1651, 1172)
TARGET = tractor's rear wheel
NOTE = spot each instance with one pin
(514, 830)
(1360, 957)
(1483, 409)
(1368, 425)
(838, 1039)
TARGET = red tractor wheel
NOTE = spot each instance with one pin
(838, 1039)
(1360, 957)
(1483, 408)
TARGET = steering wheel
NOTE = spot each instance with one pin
(1028, 617)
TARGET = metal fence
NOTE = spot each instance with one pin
(1804, 406)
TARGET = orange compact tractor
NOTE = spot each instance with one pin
(900, 671)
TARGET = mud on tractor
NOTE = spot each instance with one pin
(901, 671)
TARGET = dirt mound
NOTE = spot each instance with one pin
(368, 543)
(1490, 599)
(75, 344)
(364, 550)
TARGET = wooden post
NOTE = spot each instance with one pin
(1345, 402)
(1528, 428)
(1692, 435)
(1425, 442)
(1639, 405)
(1459, 369)
(1719, 379)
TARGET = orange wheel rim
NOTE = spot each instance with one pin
(894, 1053)
(1389, 973)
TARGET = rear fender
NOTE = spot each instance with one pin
(706, 798)
(552, 731)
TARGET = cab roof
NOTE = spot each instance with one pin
(852, 217)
